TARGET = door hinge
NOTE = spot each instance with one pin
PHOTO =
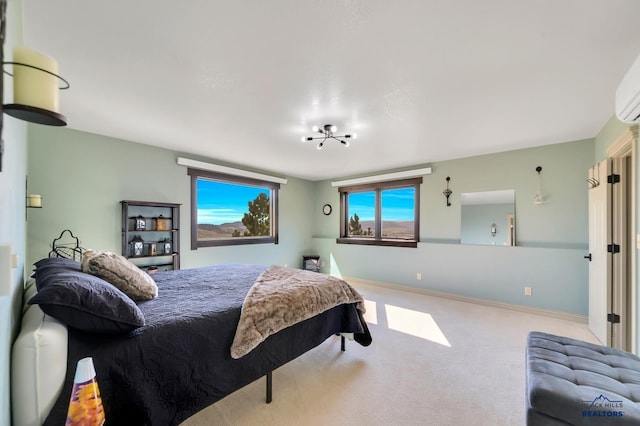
(613, 318)
(613, 178)
(613, 248)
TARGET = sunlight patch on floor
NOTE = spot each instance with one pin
(415, 323)
(371, 316)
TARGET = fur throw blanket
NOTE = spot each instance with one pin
(282, 297)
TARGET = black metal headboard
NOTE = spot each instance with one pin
(69, 247)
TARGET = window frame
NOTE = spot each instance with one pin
(237, 180)
(378, 187)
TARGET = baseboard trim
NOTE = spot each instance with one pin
(527, 309)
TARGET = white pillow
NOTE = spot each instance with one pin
(119, 271)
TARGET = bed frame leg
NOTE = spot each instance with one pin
(269, 386)
(342, 348)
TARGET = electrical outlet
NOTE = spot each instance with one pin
(419, 276)
(322, 263)
(527, 291)
(285, 265)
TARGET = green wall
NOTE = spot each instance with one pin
(82, 178)
(612, 129)
(551, 237)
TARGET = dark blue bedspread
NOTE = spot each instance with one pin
(180, 362)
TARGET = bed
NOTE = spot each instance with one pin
(174, 365)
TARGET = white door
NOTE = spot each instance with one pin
(600, 264)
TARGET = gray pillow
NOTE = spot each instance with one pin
(56, 261)
(50, 265)
(116, 269)
(86, 302)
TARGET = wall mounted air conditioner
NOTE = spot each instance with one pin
(628, 95)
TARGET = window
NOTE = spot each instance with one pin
(385, 213)
(231, 210)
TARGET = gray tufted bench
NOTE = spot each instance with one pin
(574, 382)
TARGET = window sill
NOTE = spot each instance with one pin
(374, 242)
(234, 242)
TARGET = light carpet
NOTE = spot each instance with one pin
(433, 361)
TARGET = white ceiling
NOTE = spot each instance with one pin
(419, 80)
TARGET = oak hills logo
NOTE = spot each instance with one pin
(601, 406)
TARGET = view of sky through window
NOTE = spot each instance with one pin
(362, 204)
(397, 204)
(221, 202)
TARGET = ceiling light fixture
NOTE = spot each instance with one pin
(328, 132)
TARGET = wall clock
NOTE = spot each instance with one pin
(326, 209)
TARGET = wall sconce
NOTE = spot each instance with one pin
(34, 201)
(447, 192)
(494, 229)
(35, 88)
(537, 199)
(35, 85)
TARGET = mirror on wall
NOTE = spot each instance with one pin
(488, 218)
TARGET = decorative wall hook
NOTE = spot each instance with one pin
(447, 192)
(592, 181)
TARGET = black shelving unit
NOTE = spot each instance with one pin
(151, 255)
